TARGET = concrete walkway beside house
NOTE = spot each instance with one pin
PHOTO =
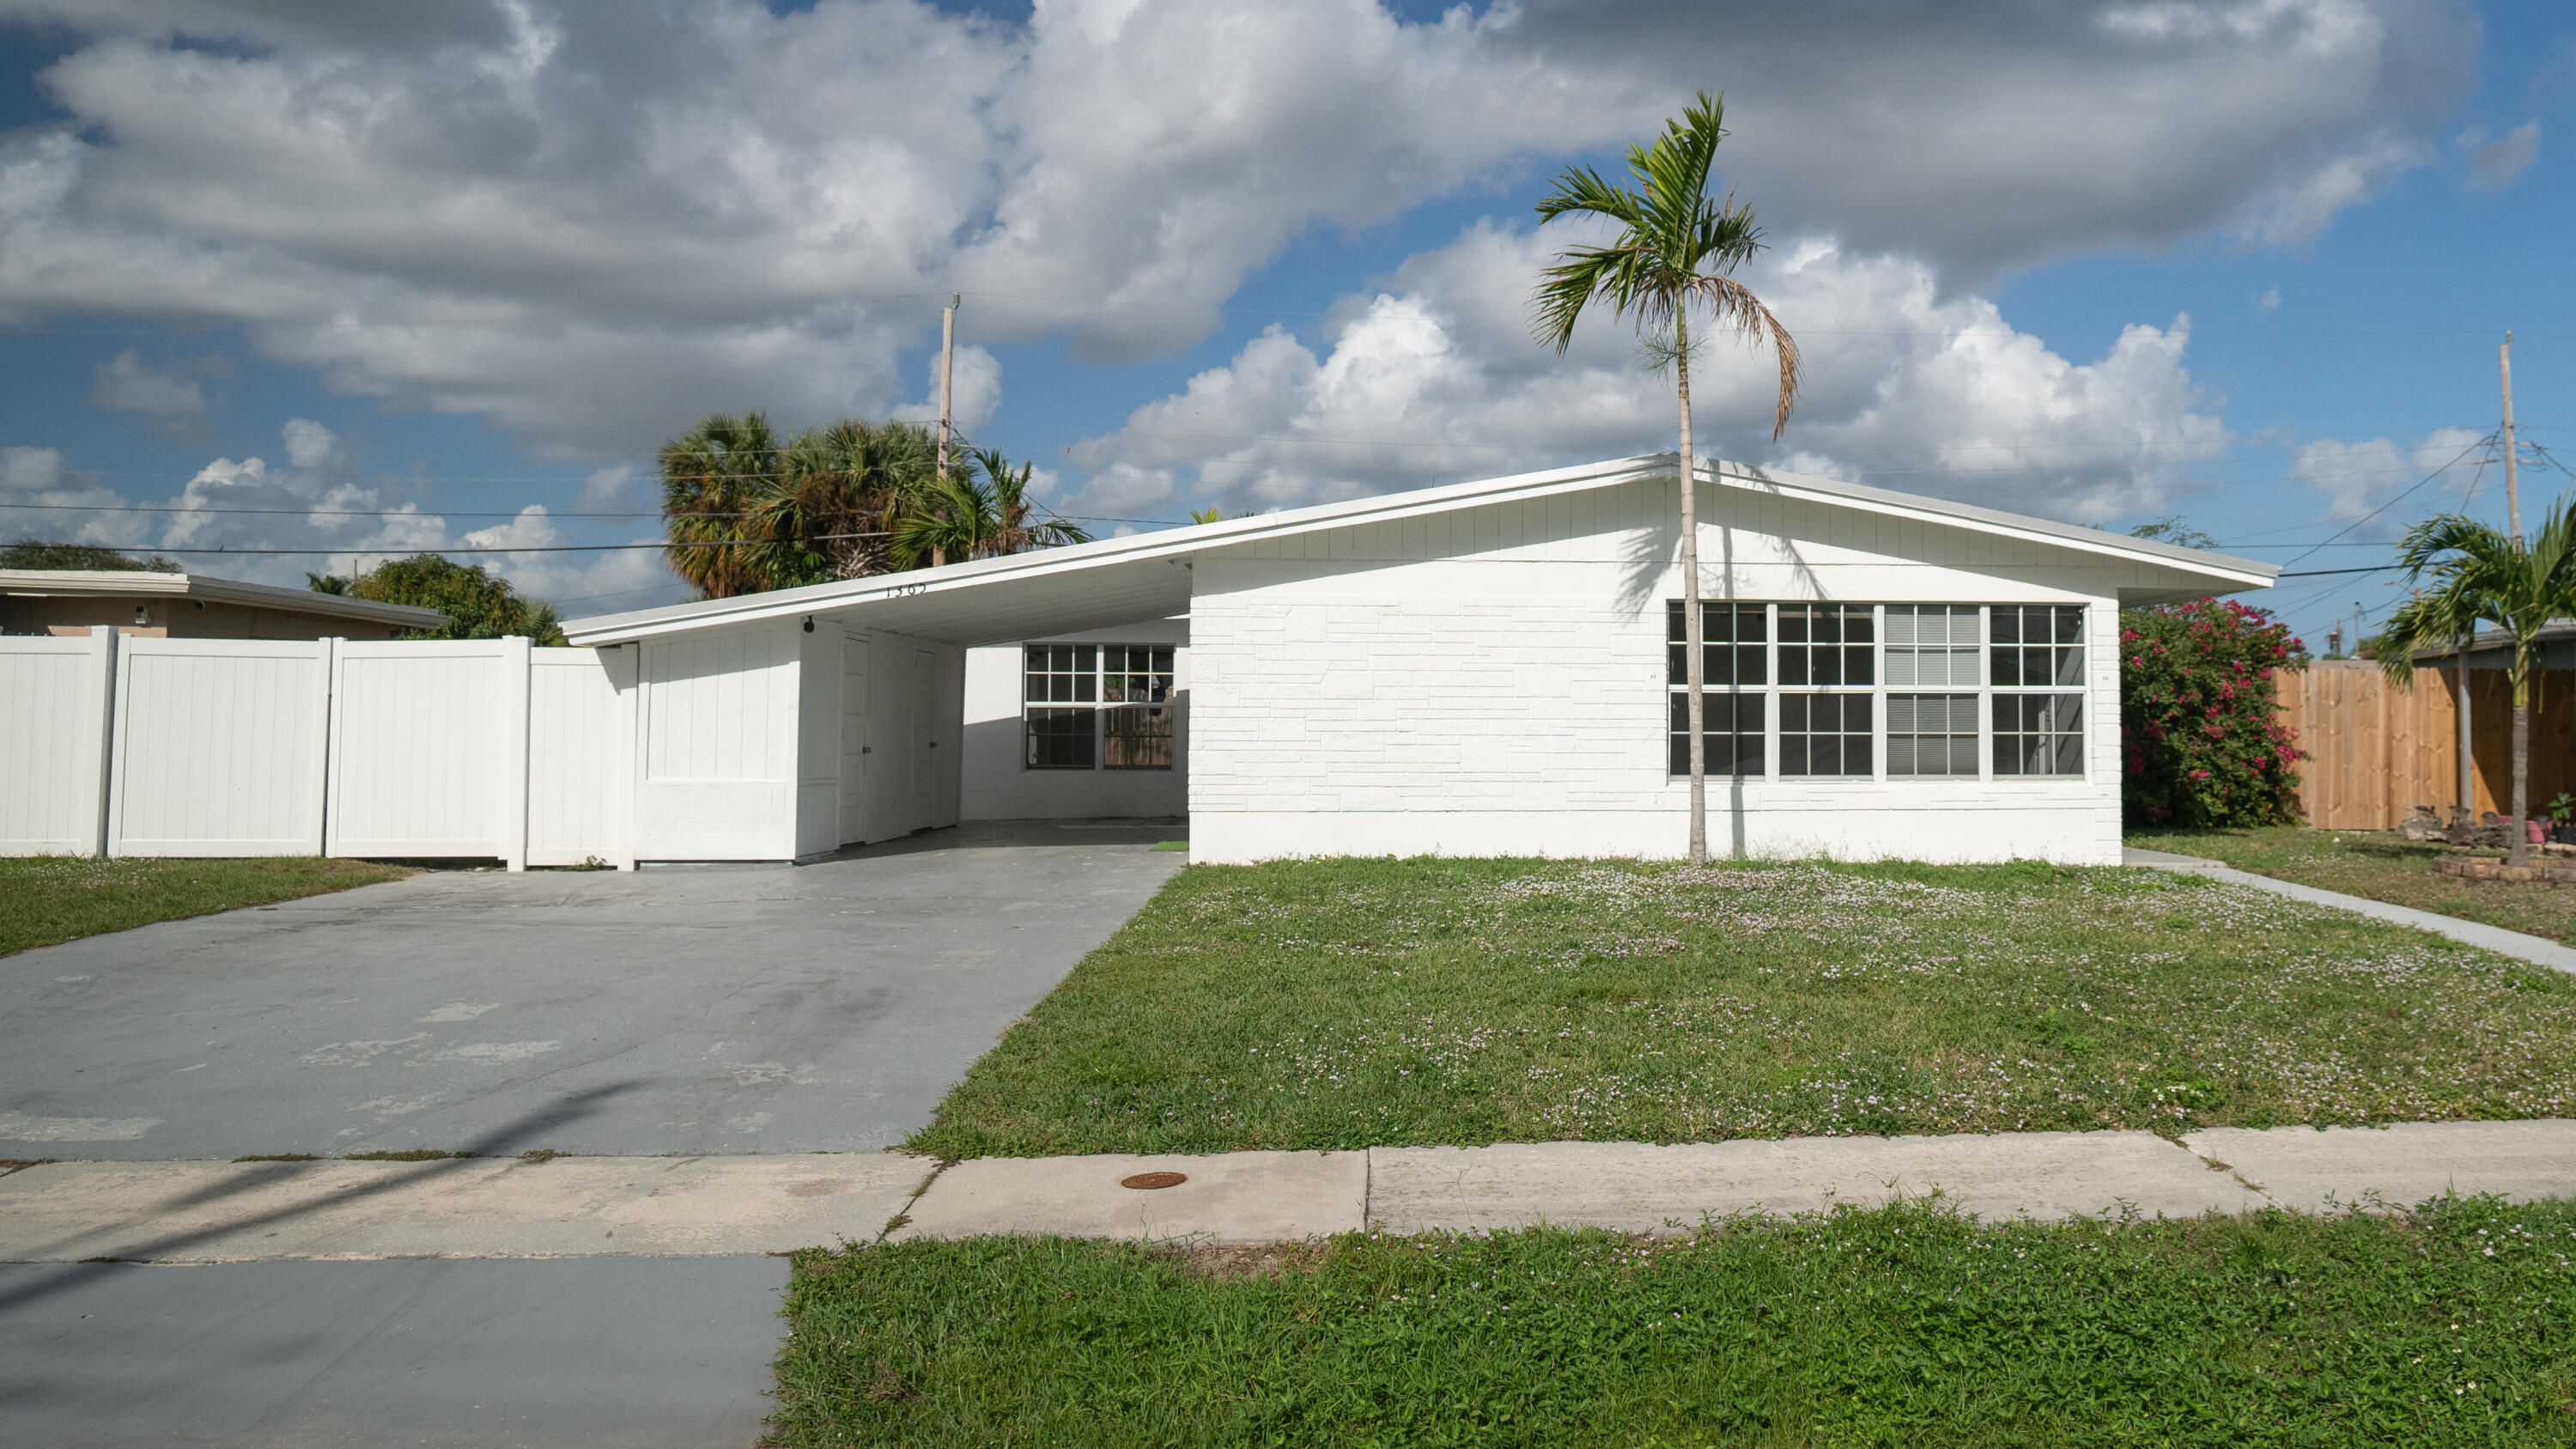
(2538, 950)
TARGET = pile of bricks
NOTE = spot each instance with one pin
(2482, 868)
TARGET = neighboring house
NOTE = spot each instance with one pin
(1483, 669)
(71, 602)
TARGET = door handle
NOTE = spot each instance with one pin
(867, 749)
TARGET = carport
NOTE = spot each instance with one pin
(790, 724)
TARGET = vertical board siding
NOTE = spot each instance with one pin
(219, 747)
(53, 698)
(419, 750)
(581, 760)
(2377, 751)
(718, 705)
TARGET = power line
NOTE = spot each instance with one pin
(2402, 497)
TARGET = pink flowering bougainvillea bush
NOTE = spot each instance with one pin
(2199, 742)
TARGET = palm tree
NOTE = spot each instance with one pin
(712, 475)
(964, 517)
(2479, 576)
(1675, 248)
(832, 511)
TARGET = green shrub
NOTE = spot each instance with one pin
(2199, 742)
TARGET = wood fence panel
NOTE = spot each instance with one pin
(2378, 751)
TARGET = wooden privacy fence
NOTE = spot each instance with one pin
(2377, 750)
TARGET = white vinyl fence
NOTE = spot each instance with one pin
(233, 747)
(53, 744)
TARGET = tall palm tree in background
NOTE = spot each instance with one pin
(1674, 250)
(2477, 575)
(745, 513)
(832, 511)
(980, 513)
(712, 475)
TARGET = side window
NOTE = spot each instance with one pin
(2035, 648)
(1734, 647)
(1061, 688)
(1136, 707)
(1093, 706)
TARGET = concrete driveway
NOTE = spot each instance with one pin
(679, 1012)
(685, 1010)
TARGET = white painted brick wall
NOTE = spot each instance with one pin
(1361, 693)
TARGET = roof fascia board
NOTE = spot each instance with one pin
(1992, 521)
(1175, 543)
(85, 583)
(1171, 543)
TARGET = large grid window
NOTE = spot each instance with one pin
(1136, 720)
(1827, 644)
(1825, 734)
(1090, 707)
(1896, 691)
(1058, 676)
(1730, 726)
(1732, 639)
(2038, 645)
(1734, 650)
(1932, 646)
(1931, 734)
(2039, 734)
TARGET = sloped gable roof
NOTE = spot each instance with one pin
(1089, 584)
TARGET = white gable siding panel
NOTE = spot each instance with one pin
(1358, 692)
(718, 765)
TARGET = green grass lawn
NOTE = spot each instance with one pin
(1898, 1327)
(49, 898)
(1354, 1003)
(2380, 866)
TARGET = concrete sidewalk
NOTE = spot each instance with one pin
(2538, 950)
(195, 1212)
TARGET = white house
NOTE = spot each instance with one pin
(1483, 669)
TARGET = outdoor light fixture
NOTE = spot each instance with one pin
(809, 623)
(142, 615)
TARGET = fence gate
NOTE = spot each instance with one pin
(429, 749)
(581, 756)
(218, 747)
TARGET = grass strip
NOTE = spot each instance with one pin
(2378, 865)
(1900, 1326)
(47, 899)
(1355, 1003)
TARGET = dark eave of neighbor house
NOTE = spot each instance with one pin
(2493, 649)
(140, 584)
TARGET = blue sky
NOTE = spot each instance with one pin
(433, 271)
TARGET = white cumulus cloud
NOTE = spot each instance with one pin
(1436, 378)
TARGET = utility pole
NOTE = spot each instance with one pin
(948, 366)
(947, 369)
(2512, 488)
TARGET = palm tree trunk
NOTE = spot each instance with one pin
(2518, 838)
(1695, 668)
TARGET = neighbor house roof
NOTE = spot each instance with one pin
(1114, 581)
(139, 583)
